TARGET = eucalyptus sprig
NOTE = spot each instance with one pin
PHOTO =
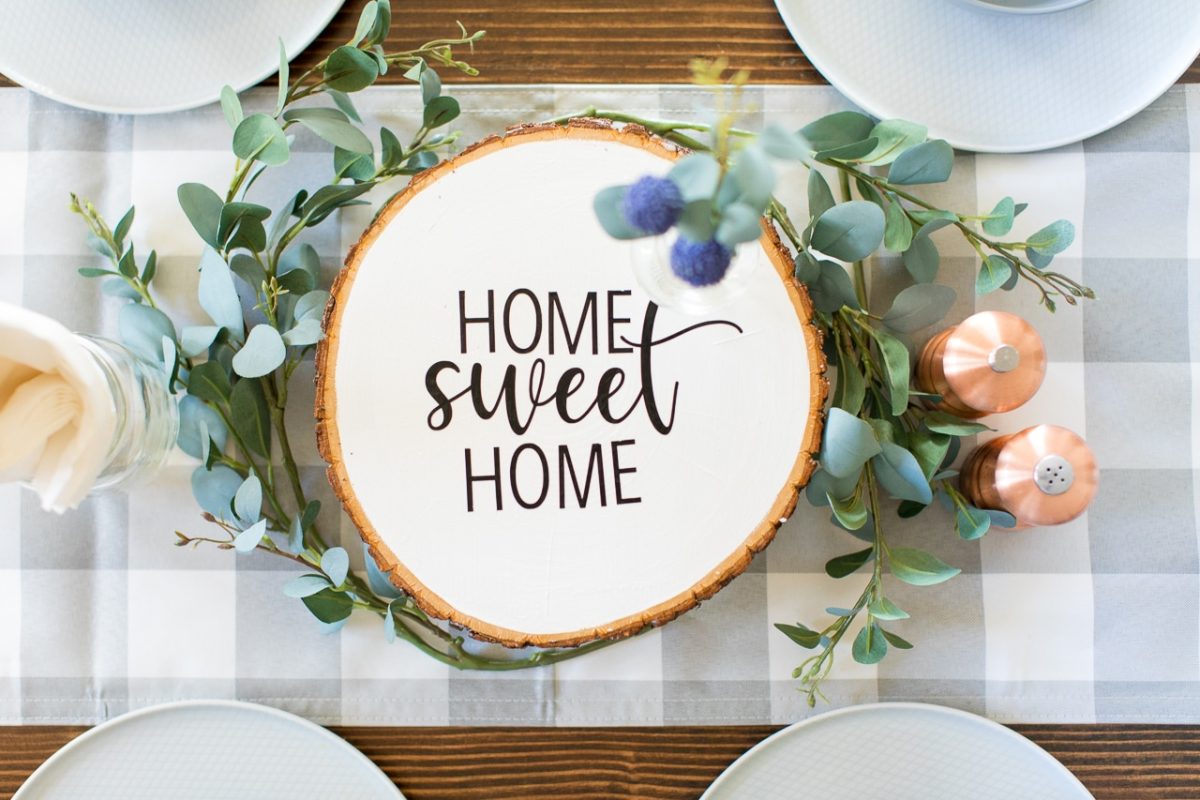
(882, 436)
(232, 375)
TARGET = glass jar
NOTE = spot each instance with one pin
(146, 412)
(651, 259)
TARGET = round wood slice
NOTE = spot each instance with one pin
(660, 454)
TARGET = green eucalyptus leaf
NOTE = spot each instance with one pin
(882, 608)
(896, 365)
(335, 562)
(921, 259)
(343, 102)
(697, 222)
(247, 503)
(198, 423)
(832, 289)
(897, 231)
(929, 162)
(752, 173)
(431, 86)
(870, 646)
(305, 332)
(609, 207)
(237, 214)
(800, 634)
(919, 306)
(899, 473)
(918, 567)
(377, 580)
(820, 196)
(332, 126)
(218, 297)
(849, 231)
(739, 223)
(329, 606)
(994, 272)
(95, 272)
(196, 339)
(929, 449)
(259, 136)
(895, 137)
(822, 486)
(896, 641)
(281, 95)
(121, 229)
(262, 353)
(231, 106)
(854, 151)
(1052, 239)
(142, 330)
(851, 385)
(305, 585)
(248, 269)
(311, 305)
(837, 129)
(328, 199)
(778, 142)
(971, 523)
(355, 166)
(1000, 221)
(851, 513)
(440, 111)
(209, 382)
(349, 69)
(202, 206)
(214, 490)
(250, 416)
(696, 176)
(392, 150)
(366, 23)
(944, 422)
(847, 444)
(151, 267)
(850, 563)
(1000, 519)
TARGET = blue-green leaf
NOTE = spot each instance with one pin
(994, 272)
(250, 416)
(739, 223)
(305, 585)
(882, 608)
(869, 646)
(281, 95)
(837, 129)
(841, 566)
(311, 305)
(929, 162)
(249, 539)
(247, 503)
(919, 306)
(898, 231)
(262, 353)
(366, 22)
(329, 606)
(752, 173)
(779, 142)
(1052, 239)
(431, 86)
(142, 330)
(899, 473)
(260, 137)
(231, 106)
(918, 567)
(971, 522)
(820, 196)
(202, 206)
(1000, 221)
(335, 562)
(218, 298)
(440, 111)
(349, 69)
(943, 422)
(847, 444)
(896, 366)
(894, 137)
(198, 423)
(214, 490)
(832, 288)
(609, 212)
(196, 339)
(822, 485)
(331, 125)
(376, 580)
(849, 231)
(303, 333)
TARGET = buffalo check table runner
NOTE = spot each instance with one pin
(1094, 621)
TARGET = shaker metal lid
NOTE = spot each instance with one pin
(994, 361)
(1046, 475)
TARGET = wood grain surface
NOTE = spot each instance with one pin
(1116, 762)
(632, 41)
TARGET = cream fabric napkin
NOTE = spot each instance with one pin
(57, 415)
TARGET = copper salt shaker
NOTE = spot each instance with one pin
(991, 362)
(1044, 475)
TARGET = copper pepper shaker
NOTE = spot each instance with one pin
(1044, 475)
(991, 362)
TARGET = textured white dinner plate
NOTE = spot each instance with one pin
(208, 750)
(898, 751)
(995, 82)
(151, 56)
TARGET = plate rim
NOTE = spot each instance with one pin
(881, 110)
(67, 749)
(300, 44)
(870, 708)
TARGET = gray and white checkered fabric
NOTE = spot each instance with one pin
(1098, 620)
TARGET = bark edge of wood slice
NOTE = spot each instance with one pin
(330, 443)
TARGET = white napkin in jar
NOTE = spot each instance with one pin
(57, 416)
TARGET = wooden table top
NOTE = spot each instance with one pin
(629, 41)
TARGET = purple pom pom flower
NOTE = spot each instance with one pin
(652, 204)
(700, 263)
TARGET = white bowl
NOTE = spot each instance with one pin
(1023, 6)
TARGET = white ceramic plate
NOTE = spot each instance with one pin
(204, 750)
(901, 751)
(151, 56)
(999, 82)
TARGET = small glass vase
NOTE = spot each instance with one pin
(651, 259)
(147, 415)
